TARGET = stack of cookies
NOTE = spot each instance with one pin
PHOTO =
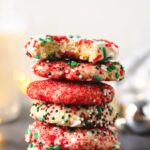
(71, 108)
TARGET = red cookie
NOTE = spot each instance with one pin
(61, 138)
(63, 92)
(80, 71)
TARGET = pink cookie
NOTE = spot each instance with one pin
(79, 71)
(60, 138)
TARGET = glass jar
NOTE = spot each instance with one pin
(12, 28)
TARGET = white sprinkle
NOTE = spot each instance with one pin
(72, 70)
(76, 123)
(104, 67)
(66, 71)
(80, 76)
(73, 140)
(89, 134)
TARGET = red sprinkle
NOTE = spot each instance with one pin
(34, 44)
(88, 42)
(97, 58)
(59, 38)
(28, 54)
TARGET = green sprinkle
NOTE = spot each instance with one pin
(41, 144)
(40, 39)
(73, 63)
(115, 147)
(30, 145)
(56, 111)
(103, 119)
(53, 118)
(70, 36)
(96, 67)
(122, 67)
(71, 129)
(69, 63)
(108, 58)
(113, 133)
(66, 121)
(52, 57)
(44, 41)
(111, 68)
(38, 108)
(63, 117)
(104, 53)
(54, 147)
(66, 111)
(98, 132)
(78, 73)
(78, 64)
(110, 110)
(104, 133)
(69, 115)
(37, 56)
(116, 63)
(49, 39)
(93, 131)
(94, 122)
(80, 115)
(40, 118)
(86, 123)
(35, 135)
(117, 75)
(100, 48)
(28, 131)
(34, 104)
(46, 115)
(99, 109)
(97, 78)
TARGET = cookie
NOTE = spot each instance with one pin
(53, 47)
(61, 138)
(63, 92)
(79, 71)
(33, 146)
(73, 116)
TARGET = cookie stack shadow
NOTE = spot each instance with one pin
(71, 108)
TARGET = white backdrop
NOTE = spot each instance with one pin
(126, 22)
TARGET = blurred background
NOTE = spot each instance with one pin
(126, 22)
